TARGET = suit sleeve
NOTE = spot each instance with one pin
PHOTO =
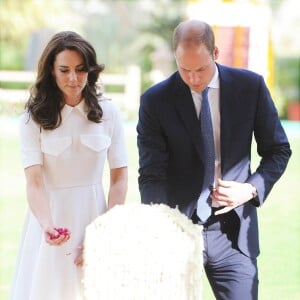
(153, 154)
(272, 145)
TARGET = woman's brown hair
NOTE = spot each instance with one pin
(46, 100)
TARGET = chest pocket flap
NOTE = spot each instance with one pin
(95, 142)
(56, 146)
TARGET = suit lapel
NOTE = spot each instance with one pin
(186, 111)
(227, 111)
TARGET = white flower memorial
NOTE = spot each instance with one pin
(143, 252)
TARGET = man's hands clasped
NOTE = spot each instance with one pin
(230, 194)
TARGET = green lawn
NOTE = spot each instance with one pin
(279, 262)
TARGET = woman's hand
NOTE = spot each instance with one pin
(56, 236)
(79, 259)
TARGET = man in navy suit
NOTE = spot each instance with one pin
(173, 165)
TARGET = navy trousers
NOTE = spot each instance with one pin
(231, 274)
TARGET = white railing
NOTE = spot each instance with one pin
(127, 101)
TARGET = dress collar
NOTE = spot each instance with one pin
(67, 109)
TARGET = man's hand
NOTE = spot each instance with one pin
(231, 194)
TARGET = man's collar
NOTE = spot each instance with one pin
(215, 82)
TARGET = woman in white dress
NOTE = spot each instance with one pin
(67, 133)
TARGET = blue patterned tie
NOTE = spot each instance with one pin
(207, 142)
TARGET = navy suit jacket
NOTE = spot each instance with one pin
(171, 166)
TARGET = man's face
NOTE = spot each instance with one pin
(196, 66)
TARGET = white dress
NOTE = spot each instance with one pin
(73, 157)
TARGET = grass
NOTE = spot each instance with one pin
(279, 218)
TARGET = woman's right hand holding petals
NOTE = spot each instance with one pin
(56, 236)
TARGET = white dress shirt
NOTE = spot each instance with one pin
(214, 104)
